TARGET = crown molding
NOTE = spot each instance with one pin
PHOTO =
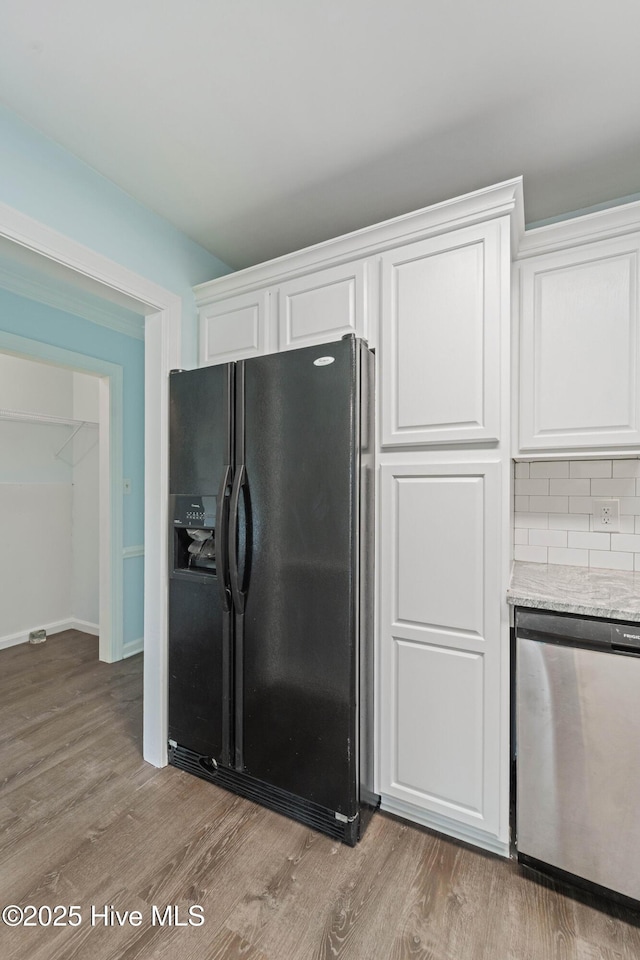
(503, 199)
(600, 225)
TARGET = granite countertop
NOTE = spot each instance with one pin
(583, 590)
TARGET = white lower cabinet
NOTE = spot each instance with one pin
(441, 709)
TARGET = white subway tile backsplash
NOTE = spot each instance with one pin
(569, 521)
(622, 487)
(626, 468)
(569, 488)
(580, 505)
(625, 541)
(590, 468)
(548, 538)
(590, 541)
(531, 521)
(530, 554)
(554, 512)
(610, 560)
(548, 504)
(549, 468)
(574, 558)
(539, 488)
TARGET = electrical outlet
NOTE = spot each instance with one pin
(606, 516)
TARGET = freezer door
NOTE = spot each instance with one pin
(200, 435)
(297, 666)
(200, 621)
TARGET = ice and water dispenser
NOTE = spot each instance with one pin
(194, 535)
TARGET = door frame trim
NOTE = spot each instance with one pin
(31, 241)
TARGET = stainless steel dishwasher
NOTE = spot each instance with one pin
(578, 748)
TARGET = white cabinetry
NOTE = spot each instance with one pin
(440, 704)
(317, 306)
(431, 292)
(579, 355)
(235, 328)
(441, 335)
(323, 306)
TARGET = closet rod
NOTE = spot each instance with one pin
(20, 415)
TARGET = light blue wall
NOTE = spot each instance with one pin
(47, 183)
(35, 321)
(42, 180)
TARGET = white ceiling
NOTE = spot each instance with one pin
(261, 126)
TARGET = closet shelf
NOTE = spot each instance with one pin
(22, 416)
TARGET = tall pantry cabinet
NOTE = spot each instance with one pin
(430, 291)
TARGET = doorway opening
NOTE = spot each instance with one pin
(28, 240)
(60, 467)
(49, 500)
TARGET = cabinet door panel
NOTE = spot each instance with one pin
(441, 640)
(235, 329)
(439, 693)
(323, 306)
(441, 321)
(579, 348)
(441, 586)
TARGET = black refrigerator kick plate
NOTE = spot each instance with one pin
(313, 815)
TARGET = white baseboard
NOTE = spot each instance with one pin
(132, 647)
(13, 639)
(86, 627)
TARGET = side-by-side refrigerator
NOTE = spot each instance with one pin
(271, 581)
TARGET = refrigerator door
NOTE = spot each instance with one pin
(296, 488)
(199, 601)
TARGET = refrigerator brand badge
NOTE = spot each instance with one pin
(323, 361)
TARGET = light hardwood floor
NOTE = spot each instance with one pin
(84, 821)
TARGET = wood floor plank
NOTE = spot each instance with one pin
(83, 820)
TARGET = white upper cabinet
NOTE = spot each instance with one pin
(235, 328)
(579, 357)
(323, 306)
(442, 311)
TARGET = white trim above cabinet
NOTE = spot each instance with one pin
(442, 308)
(342, 275)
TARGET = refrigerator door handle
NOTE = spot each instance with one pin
(222, 540)
(237, 593)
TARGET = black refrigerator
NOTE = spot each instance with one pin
(271, 581)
